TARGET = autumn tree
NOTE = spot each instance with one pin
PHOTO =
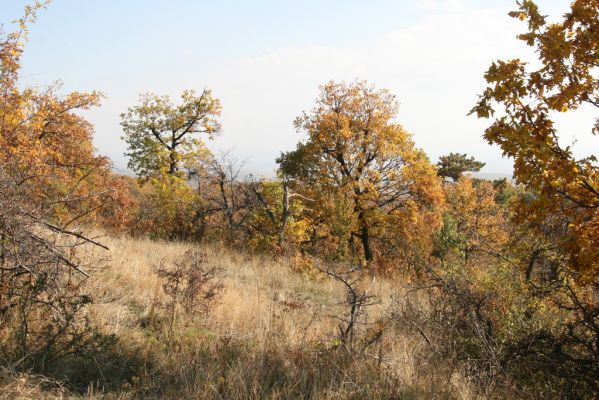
(51, 181)
(166, 146)
(226, 199)
(46, 145)
(522, 100)
(454, 165)
(559, 213)
(166, 209)
(168, 138)
(474, 223)
(279, 222)
(357, 163)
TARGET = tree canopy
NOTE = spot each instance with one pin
(454, 165)
(168, 138)
(46, 146)
(356, 154)
(522, 100)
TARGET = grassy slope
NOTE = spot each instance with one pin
(270, 336)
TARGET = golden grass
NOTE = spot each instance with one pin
(258, 292)
(269, 336)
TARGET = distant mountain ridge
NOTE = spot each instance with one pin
(491, 176)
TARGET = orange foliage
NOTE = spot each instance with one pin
(368, 182)
(479, 219)
(561, 184)
(46, 147)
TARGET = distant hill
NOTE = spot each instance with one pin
(492, 176)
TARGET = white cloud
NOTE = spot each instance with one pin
(447, 5)
(436, 69)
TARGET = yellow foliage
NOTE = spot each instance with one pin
(369, 184)
(46, 146)
(562, 186)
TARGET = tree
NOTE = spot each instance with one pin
(167, 206)
(279, 222)
(357, 160)
(455, 165)
(224, 195)
(46, 146)
(560, 183)
(558, 216)
(164, 138)
(50, 179)
(474, 222)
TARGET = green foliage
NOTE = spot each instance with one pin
(449, 239)
(362, 168)
(164, 138)
(455, 165)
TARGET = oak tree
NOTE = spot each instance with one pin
(168, 138)
(50, 180)
(474, 221)
(522, 101)
(361, 166)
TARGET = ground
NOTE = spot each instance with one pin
(273, 333)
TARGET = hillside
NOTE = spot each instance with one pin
(359, 269)
(271, 334)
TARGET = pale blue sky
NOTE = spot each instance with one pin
(265, 59)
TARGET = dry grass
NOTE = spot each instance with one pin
(258, 293)
(271, 335)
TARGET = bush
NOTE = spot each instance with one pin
(506, 338)
(42, 280)
(189, 284)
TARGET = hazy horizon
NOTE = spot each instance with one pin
(265, 61)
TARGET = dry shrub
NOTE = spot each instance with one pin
(452, 319)
(190, 283)
(28, 386)
(42, 278)
(354, 332)
(507, 340)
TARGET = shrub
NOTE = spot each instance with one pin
(191, 284)
(42, 280)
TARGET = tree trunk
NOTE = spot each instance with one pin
(365, 237)
(286, 213)
(364, 231)
(172, 168)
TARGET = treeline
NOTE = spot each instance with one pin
(511, 270)
(356, 189)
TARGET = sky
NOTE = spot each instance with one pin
(265, 60)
